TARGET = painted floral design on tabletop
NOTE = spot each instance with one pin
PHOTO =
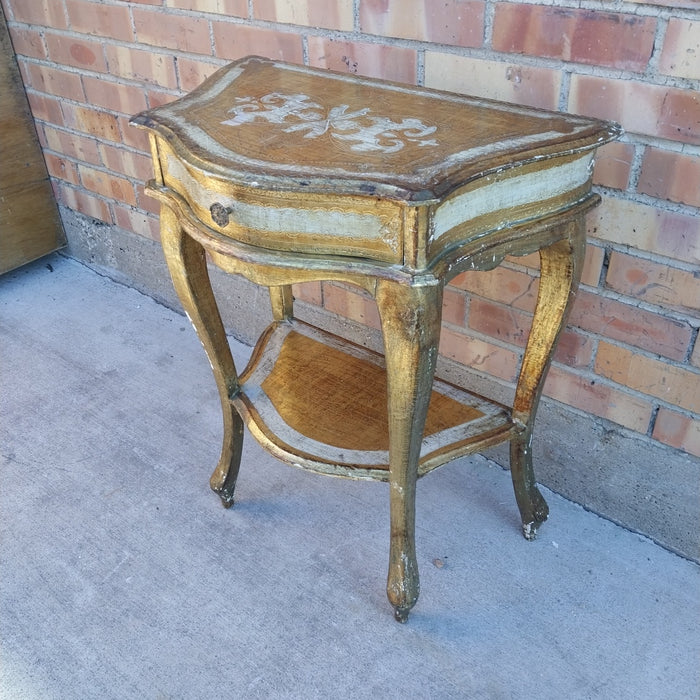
(363, 129)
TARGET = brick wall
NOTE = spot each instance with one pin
(631, 353)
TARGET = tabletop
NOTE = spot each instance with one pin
(284, 126)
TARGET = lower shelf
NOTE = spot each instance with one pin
(319, 402)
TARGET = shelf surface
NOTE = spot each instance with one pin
(320, 402)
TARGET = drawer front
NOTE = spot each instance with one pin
(508, 197)
(366, 227)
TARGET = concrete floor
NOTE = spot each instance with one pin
(121, 576)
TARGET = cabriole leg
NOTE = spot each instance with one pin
(188, 268)
(560, 270)
(531, 504)
(410, 317)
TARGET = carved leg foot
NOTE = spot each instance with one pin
(533, 508)
(411, 325)
(403, 582)
(540, 511)
(223, 480)
(401, 614)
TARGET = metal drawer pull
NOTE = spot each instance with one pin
(220, 214)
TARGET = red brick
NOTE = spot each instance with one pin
(653, 282)
(531, 261)
(646, 228)
(110, 21)
(156, 98)
(678, 430)
(79, 53)
(27, 42)
(509, 82)
(133, 137)
(230, 8)
(679, 236)
(163, 30)
(372, 60)
(234, 41)
(62, 168)
(454, 307)
(631, 325)
(310, 292)
(680, 116)
(103, 125)
(655, 110)
(357, 306)
(695, 357)
(81, 201)
(45, 108)
(574, 350)
(55, 82)
(139, 65)
(670, 175)
(459, 23)
(145, 202)
(583, 36)
(674, 385)
(511, 326)
(479, 355)
(592, 265)
(40, 135)
(613, 164)
(511, 287)
(116, 97)
(134, 220)
(681, 52)
(107, 184)
(76, 146)
(193, 73)
(501, 322)
(47, 13)
(129, 163)
(331, 14)
(591, 395)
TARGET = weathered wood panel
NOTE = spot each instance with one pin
(30, 225)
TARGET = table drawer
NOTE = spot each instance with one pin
(312, 223)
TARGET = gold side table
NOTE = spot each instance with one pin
(286, 174)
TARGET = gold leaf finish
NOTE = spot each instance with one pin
(287, 174)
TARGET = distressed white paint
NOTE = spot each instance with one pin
(511, 144)
(298, 113)
(528, 188)
(289, 220)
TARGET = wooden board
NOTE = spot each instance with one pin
(327, 405)
(30, 225)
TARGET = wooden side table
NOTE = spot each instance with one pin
(286, 174)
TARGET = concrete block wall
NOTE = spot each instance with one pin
(630, 359)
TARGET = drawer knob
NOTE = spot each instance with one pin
(220, 214)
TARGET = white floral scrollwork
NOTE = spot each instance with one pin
(299, 113)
